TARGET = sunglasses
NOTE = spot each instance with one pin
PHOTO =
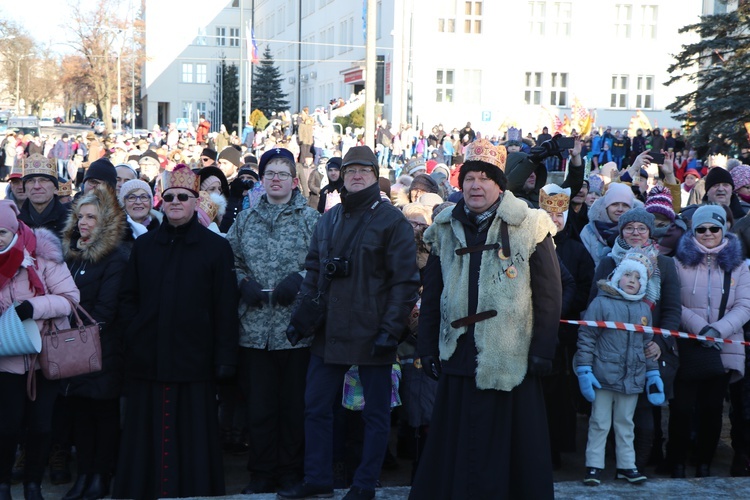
(713, 229)
(169, 197)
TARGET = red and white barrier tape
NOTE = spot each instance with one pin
(649, 329)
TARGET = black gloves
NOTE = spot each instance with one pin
(293, 336)
(252, 293)
(25, 310)
(548, 148)
(225, 372)
(238, 186)
(541, 367)
(431, 366)
(384, 345)
(286, 291)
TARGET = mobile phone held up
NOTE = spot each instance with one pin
(566, 143)
(657, 158)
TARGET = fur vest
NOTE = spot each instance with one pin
(503, 341)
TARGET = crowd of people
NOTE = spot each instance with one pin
(282, 295)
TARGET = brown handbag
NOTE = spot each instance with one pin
(71, 352)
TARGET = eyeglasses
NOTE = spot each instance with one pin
(703, 229)
(635, 229)
(358, 171)
(205, 158)
(283, 176)
(418, 225)
(169, 197)
(143, 198)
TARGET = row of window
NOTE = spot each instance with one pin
(472, 17)
(193, 110)
(554, 19)
(194, 73)
(557, 89)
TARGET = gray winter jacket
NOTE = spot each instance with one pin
(616, 356)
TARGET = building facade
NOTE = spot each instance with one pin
(493, 63)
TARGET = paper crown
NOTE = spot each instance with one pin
(37, 164)
(555, 203)
(514, 134)
(180, 177)
(484, 151)
(207, 205)
(65, 189)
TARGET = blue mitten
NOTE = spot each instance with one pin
(654, 388)
(587, 381)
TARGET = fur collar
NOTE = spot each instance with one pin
(728, 259)
(107, 235)
(48, 245)
(511, 209)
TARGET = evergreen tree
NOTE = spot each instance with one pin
(230, 88)
(719, 65)
(266, 92)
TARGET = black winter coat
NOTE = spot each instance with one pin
(381, 289)
(178, 305)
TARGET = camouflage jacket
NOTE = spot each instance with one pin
(270, 242)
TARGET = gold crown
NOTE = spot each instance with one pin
(37, 164)
(206, 204)
(180, 177)
(553, 203)
(65, 189)
(484, 151)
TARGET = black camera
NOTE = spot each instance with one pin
(336, 267)
(247, 184)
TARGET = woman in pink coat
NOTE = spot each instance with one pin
(35, 280)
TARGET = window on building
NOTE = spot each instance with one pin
(234, 37)
(619, 95)
(558, 94)
(308, 7)
(186, 109)
(447, 17)
(472, 86)
(537, 14)
(623, 14)
(342, 36)
(379, 20)
(291, 10)
(444, 85)
(644, 97)
(201, 73)
(201, 109)
(271, 23)
(221, 36)
(649, 14)
(235, 3)
(326, 43)
(561, 23)
(187, 73)
(201, 38)
(533, 88)
(472, 17)
(308, 51)
(281, 19)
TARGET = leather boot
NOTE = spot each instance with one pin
(32, 491)
(642, 444)
(5, 491)
(76, 492)
(98, 487)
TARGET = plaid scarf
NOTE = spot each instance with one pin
(483, 220)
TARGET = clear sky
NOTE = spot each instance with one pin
(45, 19)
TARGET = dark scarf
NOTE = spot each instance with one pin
(609, 231)
(483, 220)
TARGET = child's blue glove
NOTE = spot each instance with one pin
(656, 395)
(587, 382)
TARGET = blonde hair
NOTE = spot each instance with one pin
(414, 209)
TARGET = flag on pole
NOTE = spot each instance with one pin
(252, 45)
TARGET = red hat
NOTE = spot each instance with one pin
(694, 172)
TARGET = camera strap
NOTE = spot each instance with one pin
(362, 224)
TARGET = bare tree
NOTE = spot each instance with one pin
(17, 57)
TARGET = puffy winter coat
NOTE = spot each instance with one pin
(97, 268)
(616, 356)
(54, 304)
(702, 277)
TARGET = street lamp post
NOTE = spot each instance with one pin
(18, 82)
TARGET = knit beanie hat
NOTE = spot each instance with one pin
(618, 193)
(740, 176)
(710, 214)
(133, 185)
(637, 215)
(9, 216)
(659, 201)
(231, 154)
(633, 261)
(718, 175)
(692, 171)
(102, 170)
(425, 183)
(209, 153)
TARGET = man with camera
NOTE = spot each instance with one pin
(270, 241)
(361, 285)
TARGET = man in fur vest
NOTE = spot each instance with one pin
(487, 330)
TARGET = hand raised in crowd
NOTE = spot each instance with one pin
(667, 168)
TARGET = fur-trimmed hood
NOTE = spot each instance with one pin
(48, 245)
(106, 236)
(727, 259)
